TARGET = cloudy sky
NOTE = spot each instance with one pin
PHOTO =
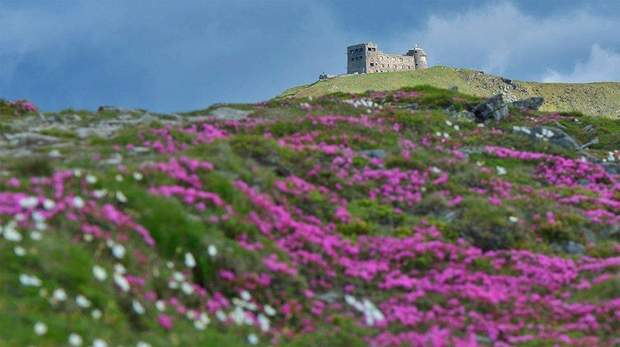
(186, 54)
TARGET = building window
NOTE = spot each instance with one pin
(372, 64)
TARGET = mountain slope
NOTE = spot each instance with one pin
(341, 221)
(601, 99)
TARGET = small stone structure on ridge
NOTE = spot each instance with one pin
(367, 58)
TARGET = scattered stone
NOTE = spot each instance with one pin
(331, 296)
(533, 103)
(611, 168)
(227, 113)
(101, 130)
(551, 134)
(590, 143)
(556, 136)
(374, 153)
(460, 114)
(570, 247)
(30, 139)
(494, 108)
(116, 109)
(468, 150)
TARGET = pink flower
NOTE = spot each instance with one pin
(165, 321)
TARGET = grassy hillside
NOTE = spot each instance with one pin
(341, 221)
(601, 99)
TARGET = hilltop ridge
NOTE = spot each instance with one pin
(600, 99)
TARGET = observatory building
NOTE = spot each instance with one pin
(367, 58)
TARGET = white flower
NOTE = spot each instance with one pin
(82, 301)
(75, 339)
(190, 261)
(96, 314)
(270, 311)
(99, 273)
(513, 219)
(88, 237)
(77, 173)
(178, 276)
(456, 127)
(119, 269)
(36, 235)
(100, 193)
(137, 307)
(212, 250)
(160, 305)
(29, 202)
(238, 315)
(99, 343)
(121, 197)
(78, 202)
(49, 204)
(90, 179)
(448, 123)
(220, 315)
(119, 178)
(12, 235)
(187, 288)
(54, 153)
(263, 323)
(38, 217)
(199, 325)
(40, 226)
(59, 295)
(245, 295)
(19, 251)
(349, 299)
(143, 344)
(118, 251)
(121, 282)
(204, 318)
(252, 339)
(138, 176)
(501, 170)
(29, 281)
(40, 328)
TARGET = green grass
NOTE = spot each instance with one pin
(600, 99)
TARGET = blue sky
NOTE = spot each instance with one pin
(186, 54)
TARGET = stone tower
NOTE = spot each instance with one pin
(367, 58)
(420, 57)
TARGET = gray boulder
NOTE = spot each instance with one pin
(556, 136)
(533, 103)
(494, 108)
